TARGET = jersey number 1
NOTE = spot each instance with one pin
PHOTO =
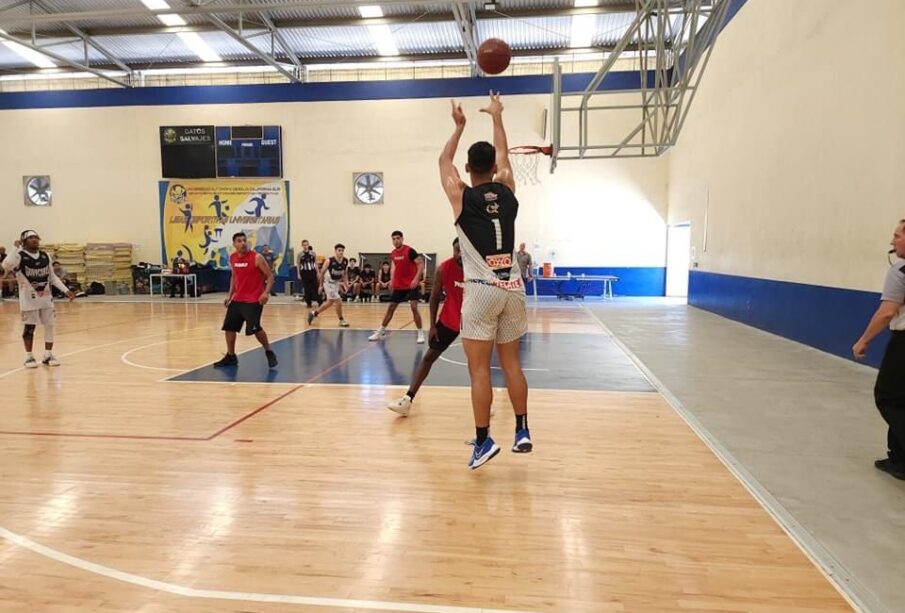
(498, 231)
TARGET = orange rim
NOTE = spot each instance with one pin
(531, 150)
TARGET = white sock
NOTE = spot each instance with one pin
(47, 353)
(29, 355)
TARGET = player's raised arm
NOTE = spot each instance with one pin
(449, 175)
(500, 142)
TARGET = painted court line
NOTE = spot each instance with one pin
(124, 358)
(838, 576)
(190, 592)
(248, 416)
(94, 347)
(457, 363)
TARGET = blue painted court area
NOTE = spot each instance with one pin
(551, 361)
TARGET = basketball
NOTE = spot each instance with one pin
(494, 56)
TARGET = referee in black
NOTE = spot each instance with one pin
(889, 391)
(308, 273)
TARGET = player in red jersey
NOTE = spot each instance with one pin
(406, 268)
(449, 280)
(249, 291)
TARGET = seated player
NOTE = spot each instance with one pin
(353, 284)
(384, 276)
(180, 267)
(449, 280)
(368, 281)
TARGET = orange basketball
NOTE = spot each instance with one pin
(494, 56)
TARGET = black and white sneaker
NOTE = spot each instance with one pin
(229, 359)
(271, 358)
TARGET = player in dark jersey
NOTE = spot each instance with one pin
(406, 268)
(333, 277)
(249, 291)
(367, 278)
(353, 284)
(36, 279)
(493, 309)
(449, 280)
(384, 276)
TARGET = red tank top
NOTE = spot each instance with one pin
(453, 285)
(406, 269)
(248, 278)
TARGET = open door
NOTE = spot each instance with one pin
(678, 257)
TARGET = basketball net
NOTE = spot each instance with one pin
(524, 161)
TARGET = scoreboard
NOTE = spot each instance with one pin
(249, 151)
(188, 152)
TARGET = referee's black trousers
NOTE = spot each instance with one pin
(889, 394)
(309, 285)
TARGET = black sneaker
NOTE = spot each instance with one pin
(893, 468)
(271, 358)
(311, 317)
(229, 359)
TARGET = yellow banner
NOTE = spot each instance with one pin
(198, 218)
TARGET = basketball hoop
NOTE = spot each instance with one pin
(524, 161)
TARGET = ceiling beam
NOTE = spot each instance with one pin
(251, 30)
(239, 38)
(282, 42)
(87, 38)
(26, 21)
(465, 21)
(338, 60)
(63, 60)
(295, 23)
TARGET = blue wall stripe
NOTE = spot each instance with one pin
(828, 318)
(311, 92)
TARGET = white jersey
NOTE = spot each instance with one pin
(35, 276)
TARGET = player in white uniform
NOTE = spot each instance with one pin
(333, 275)
(35, 275)
(493, 310)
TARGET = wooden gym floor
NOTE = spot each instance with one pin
(124, 490)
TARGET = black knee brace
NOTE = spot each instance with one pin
(29, 332)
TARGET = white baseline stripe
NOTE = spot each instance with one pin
(189, 592)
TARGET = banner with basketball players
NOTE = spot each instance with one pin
(198, 218)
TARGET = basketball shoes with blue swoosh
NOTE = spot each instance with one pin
(522, 442)
(483, 453)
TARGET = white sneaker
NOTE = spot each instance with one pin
(378, 335)
(31, 362)
(401, 406)
(420, 338)
(50, 360)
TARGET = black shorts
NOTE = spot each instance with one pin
(445, 338)
(248, 313)
(405, 295)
